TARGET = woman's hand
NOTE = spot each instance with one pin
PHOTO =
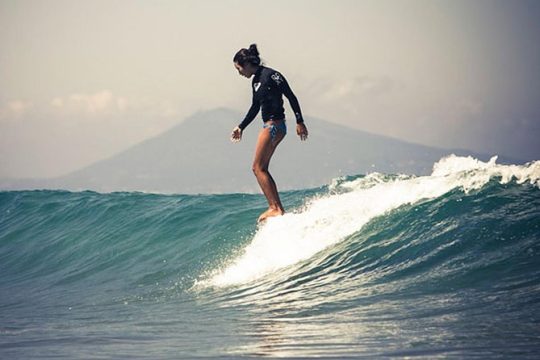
(301, 130)
(236, 135)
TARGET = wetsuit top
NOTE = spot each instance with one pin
(268, 85)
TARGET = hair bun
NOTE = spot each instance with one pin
(253, 50)
(248, 56)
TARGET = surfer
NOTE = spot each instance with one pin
(268, 86)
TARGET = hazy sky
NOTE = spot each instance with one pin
(82, 80)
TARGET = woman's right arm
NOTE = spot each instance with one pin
(253, 111)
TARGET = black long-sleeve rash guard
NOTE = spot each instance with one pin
(268, 85)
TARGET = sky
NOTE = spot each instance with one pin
(83, 80)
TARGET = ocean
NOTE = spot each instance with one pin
(368, 266)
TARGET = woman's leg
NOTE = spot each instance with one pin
(263, 153)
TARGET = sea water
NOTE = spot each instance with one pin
(377, 265)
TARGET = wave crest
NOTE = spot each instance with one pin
(349, 205)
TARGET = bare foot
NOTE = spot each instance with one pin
(270, 213)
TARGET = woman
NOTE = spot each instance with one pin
(268, 87)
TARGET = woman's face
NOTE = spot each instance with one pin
(246, 70)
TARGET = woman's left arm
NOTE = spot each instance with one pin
(283, 85)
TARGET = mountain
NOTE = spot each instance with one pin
(196, 156)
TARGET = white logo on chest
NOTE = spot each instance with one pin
(256, 86)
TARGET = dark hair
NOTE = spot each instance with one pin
(248, 56)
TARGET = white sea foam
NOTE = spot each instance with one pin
(294, 237)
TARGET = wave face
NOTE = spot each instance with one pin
(445, 265)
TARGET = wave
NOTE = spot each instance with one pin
(126, 240)
(349, 205)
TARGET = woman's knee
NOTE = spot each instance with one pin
(259, 169)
